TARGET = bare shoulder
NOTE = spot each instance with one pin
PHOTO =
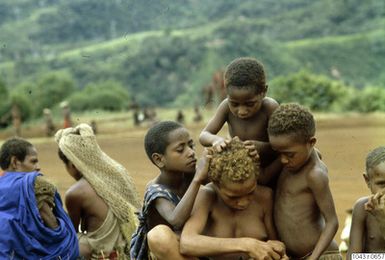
(80, 189)
(317, 171)
(359, 205)
(269, 105)
(223, 107)
(263, 193)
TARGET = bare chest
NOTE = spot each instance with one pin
(254, 128)
(374, 241)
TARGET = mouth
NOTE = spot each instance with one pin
(192, 163)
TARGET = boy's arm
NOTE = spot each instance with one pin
(193, 243)
(177, 215)
(319, 185)
(208, 135)
(268, 218)
(357, 229)
(270, 173)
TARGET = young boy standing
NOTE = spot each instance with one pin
(169, 197)
(232, 216)
(304, 210)
(246, 110)
(367, 233)
(103, 200)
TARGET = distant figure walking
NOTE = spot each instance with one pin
(180, 117)
(16, 119)
(49, 126)
(66, 114)
(198, 116)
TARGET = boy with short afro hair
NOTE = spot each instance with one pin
(232, 216)
(304, 207)
(367, 233)
(246, 110)
(170, 196)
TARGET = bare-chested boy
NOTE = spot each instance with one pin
(169, 197)
(103, 200)
(367, 233)
(304, 211)
(246, 110)
(232, 217)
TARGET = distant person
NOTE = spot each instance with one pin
(103, 199)
(94, 126)
(246, 110)
(233, 215)
(367, 233)
(197, 115)
(304, 211)
(169, 197)
(137, 117)
(16, 119)
(49, 126)
(33, 223)
(67, 122)
(180, 117)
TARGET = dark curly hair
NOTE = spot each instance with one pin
(292, 119)
(156, 139)
(375, 157)
(14, 146)
(232, 164)
(245, 72)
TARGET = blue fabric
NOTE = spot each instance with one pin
(138, 246)
(22, 232)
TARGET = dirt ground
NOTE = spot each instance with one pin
(343, 142)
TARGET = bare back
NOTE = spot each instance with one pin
(300, 210)
(85, 207)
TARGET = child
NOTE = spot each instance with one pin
(33, 223)
(170, 196)
(246, 110)
(304, 211)
(367, 232)
(103, 200)
(233, 216)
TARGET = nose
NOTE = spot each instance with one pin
(242, 111)
(284, 159)
(191, 152)
(37, 168)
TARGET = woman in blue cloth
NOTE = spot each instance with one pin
(33, 223)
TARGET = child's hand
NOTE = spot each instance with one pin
(202, 167)
(220, 144)
(253, 152)
(278, 247)
(376, 204)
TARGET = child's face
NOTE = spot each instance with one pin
(30, 163)
(293, 153)
(237, 195)
(180, 153)
(244, 102)
(375, 178)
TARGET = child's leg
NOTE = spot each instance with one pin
(164, 244)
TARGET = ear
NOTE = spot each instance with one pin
(366, 178)
(13, 163)
(312, 141)
(158, 159)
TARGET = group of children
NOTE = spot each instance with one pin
(262, 193)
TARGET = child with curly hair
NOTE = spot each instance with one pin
(232, 216)
(304, 211)
(367, 233)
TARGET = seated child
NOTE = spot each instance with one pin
(246, 110)
(33, 223)
(304, 211)
(103, 200)
(367, 233)
(169, 197)
(232, 216)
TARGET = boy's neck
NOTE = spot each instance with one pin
(173, 180)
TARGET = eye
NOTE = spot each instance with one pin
(191, 145)
(234, 104)
(250, 104)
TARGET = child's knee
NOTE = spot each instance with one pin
(161, 239)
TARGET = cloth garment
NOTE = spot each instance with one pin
(108, 178)
(139, 247)
(23, 234)
(106, 240)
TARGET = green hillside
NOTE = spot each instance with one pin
(173, 47)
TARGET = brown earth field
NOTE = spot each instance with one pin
(344, 142)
